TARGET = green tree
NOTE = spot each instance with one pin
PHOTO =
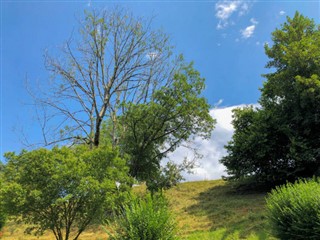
(258, 148)
(63, 190)
(281, 142)
(124, 73)
(292, 93)
(175, 114)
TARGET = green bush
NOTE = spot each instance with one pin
(2, 220)
(2, 211)
(145, 219)
(294, 210)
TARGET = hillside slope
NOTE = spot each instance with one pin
(203, 210)
(215, 210)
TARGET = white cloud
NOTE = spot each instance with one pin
(282, 13)
(248, 31)
(225, 9)
(218, 103)
(254, 21)
(244, 9)
(212, 150)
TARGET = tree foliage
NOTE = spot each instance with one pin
(3, 215)
(156, 128)
(123, 73)
(63, 190)
(279, 141)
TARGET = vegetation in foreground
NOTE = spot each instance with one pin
(203, 210)
(294, 210)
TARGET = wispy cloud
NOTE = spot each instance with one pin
(282, 13)
(244, 9)
(254, 21)
(225, 9)
(248, 31)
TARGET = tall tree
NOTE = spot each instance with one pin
(118, 59)
(175, 114)
(292, 92)
(125, 74)
(288, 121)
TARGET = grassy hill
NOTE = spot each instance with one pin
(203, 210)
(215, 210)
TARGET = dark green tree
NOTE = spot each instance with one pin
(63, 190)
(258, 149)
(279, 141)
(175, 114)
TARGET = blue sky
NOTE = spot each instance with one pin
(224, 39)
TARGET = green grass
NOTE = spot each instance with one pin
(211, 210)
(215, 210)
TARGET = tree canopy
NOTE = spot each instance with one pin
(123, 73)
(63, 190)
(175, 114)
(279, 141)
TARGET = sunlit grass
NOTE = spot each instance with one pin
(215, 210)
(211, 210)
(13, 231)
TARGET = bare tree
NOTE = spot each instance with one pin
(124, 74)
(119, 59)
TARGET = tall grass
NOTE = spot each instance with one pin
(146, 218)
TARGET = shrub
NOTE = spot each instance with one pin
(146, 219)
(294, 210)
(2, 211)
(2, 219)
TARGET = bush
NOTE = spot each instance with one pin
(2, 219)
(294, 210)
(146, 219)
(2, 211)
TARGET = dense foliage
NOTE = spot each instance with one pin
(279, 140)
(63, 190)
(146, 218)
(2, 211)
(294, 210)
(175, 114)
